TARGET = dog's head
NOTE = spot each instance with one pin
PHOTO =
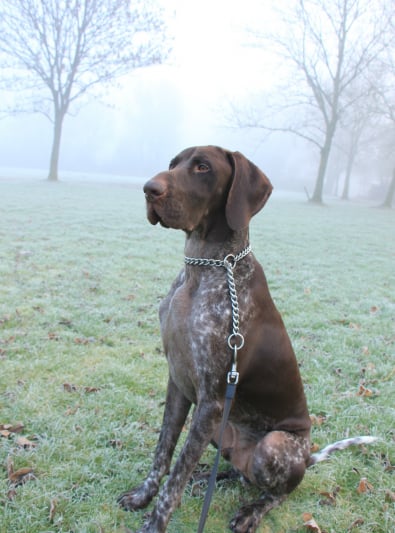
(205, 185)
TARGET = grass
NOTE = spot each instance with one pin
(82, 368)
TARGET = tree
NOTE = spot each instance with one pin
(55, 52)
(383, 87)
(329, 47)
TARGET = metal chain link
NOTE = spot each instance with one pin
(235, 339)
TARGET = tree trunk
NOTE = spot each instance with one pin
(350, 163)
(390, 193)
(319, 184)
(324, 158)
(54, 162)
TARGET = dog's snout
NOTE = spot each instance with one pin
(153, 189)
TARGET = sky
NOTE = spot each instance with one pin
(158, 111)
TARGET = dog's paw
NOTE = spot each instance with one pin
(246, 520)
(137, 498)
(248, 517)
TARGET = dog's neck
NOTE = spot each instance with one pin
(215, 246)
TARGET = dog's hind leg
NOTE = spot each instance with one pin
(276, 464)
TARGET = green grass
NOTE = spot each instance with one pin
(81, 365)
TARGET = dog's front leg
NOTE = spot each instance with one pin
(205, 421)
(176, 411)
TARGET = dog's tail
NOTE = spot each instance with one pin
(339, 445)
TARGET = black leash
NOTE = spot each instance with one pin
(230, 392)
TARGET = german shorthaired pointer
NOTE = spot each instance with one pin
(211, 194)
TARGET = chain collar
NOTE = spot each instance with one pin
(235, 339)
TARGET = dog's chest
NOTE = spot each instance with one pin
(196, 320)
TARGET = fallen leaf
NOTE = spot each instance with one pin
(26, 443)
(365, 392)
(72, 410)
(21, 476)
(364, 486)
(356, 523)
(11, 494)
(13, 428)
(374, 309)
(310, 523)
(69, 387)
(329, 498)
(88, 390)
(317, 420)
(81, 340)
(52, 510)
(389, 496)
(314, 447)
(352, 325)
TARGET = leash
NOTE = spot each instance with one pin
(235, 343)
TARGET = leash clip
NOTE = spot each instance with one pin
(233, 377)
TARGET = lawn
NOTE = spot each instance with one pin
(83, 376)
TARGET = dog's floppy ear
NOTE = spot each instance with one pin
(249, 192)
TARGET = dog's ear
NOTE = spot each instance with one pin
(248, 193)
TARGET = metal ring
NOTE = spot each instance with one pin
(230, 259)
(232, 339)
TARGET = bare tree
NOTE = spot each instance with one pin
(383, 87)
(56, 51)
(329, 47)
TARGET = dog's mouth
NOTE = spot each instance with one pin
(154, 217)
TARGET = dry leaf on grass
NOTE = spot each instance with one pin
(17, 477)
(365, 392)
(314, 447)
(7, 429)
(310, 524)
(389, 496)
(52, 510)
(364, 486)
(317, 420)
(14, 428)
(72, 410)
(329, 498)
(89, 390)
(24, 442)
(21, 476)
(358, 522)
(70, 387)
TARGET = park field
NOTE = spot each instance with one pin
(83, 375)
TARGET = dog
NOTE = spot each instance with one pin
(211, 194)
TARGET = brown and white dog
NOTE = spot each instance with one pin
(211, 194)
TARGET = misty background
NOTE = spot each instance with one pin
(215, 72)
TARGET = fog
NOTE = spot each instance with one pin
(136, 129)
(137, 126)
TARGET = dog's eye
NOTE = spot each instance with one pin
(202, 167)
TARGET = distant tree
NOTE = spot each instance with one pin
(329, 46)
(56, 51)
(383, 86)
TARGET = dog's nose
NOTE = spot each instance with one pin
(153, 189)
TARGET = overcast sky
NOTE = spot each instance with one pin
(158, 111)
